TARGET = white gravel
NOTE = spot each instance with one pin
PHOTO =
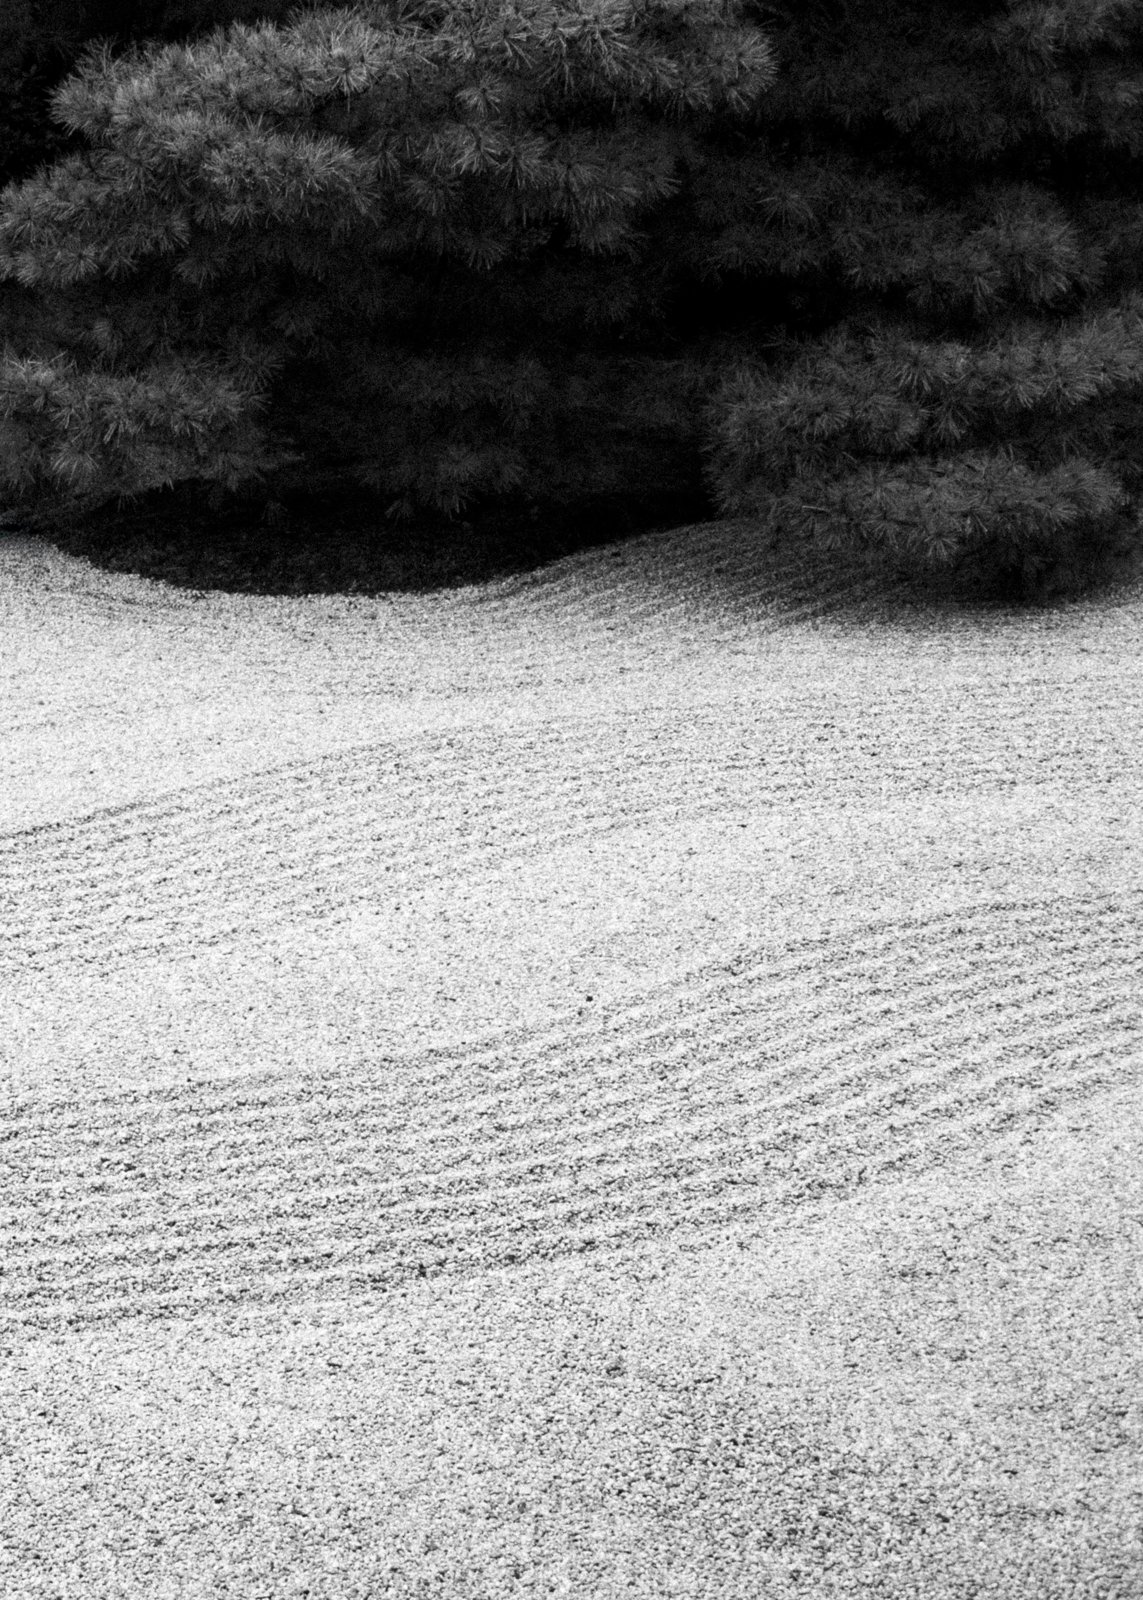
(623, 1081)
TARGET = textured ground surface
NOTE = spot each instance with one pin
(625, 1081)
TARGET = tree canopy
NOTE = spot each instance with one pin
(870, 266)
(322, 207)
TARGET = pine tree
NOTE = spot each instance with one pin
(390, 243)
(40, 41)
(975, 411)
(874, 262)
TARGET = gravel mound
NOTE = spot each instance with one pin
(619, 1081)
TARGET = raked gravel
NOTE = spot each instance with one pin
(618, 1081)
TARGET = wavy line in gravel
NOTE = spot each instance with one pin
(714, 574)
(220, 862)
(757, 1083)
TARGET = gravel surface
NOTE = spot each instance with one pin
(620, 1081)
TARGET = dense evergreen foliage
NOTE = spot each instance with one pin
(867, 269)
(278, 254)
(41, 40)
(975, 410)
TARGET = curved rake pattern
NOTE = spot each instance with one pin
(217, 863)
(707, 1106)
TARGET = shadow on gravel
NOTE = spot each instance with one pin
(325, 544)
(338, 542)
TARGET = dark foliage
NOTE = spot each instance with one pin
(868, 273)
(41, 40)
